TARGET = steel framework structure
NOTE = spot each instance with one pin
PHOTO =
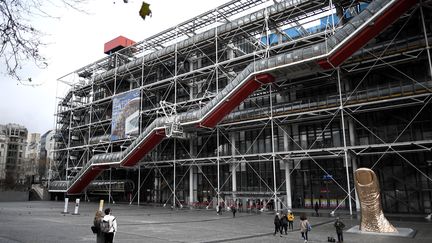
(319, 106)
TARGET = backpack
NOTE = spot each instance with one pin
(309, 227)
(105, 226)
(290, 217)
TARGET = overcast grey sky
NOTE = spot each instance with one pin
(77, 39)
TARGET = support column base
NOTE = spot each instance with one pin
(402, 232)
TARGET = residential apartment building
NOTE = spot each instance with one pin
(3, 153)
(46, 154)
(32, 155)
(14, 137)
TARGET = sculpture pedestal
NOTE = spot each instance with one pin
(402, 232)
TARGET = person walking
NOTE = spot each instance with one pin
(96, 223)
(233, 210)
(316, 209)
(219, 209)
(284, 223)
(112, 221)
(290, 217)
(339, 225)
(304, 227)
(277, 225)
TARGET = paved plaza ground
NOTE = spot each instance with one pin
(34, 222)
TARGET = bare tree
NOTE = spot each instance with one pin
(20, 41)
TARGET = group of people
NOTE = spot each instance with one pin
(283, 221)
(104, 226)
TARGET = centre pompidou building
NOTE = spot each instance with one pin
(260, 104)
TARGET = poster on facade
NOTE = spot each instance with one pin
(125, 115)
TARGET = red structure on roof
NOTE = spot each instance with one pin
(117, 44)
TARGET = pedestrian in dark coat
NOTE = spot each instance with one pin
(277, 224)
(234, 210)
(284, 223)
(316, 209)
(339, 229)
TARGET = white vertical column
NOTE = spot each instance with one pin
(174, 174)
(191, 186)
(191, 175)
(344, 141)
(352, 157)
(276, 199)
(288, 168)
(156, 186)
(234, 178)
(217, 128)
(233, 166)
(218, 168)
(195, 183)
(357, 201)
(175, 107)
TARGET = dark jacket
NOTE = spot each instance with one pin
(276, 221)
(284, 220)
(339, 226)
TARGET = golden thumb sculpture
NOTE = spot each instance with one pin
(372, 216)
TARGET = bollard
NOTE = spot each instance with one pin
(65, 211)
(101, 204)
(77, 201)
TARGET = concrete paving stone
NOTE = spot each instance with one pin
(43, 222)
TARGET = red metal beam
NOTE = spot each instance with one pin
(85, 180)
(369, 32)
(145, 147)
(235, 99)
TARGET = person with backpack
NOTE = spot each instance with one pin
(96, 227)
(108, 226)
(305, 227)
(339, 229)
(290, 217)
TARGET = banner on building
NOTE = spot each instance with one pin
(125, 115)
